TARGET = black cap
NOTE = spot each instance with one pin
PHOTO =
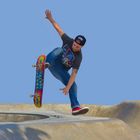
(81, 40)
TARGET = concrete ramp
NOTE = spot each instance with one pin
(128, 111)
(25, 122)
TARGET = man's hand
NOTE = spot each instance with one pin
(48, 15)
(65, 90)
(71, 80)
(55, 25)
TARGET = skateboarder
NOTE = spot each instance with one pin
(62, 59)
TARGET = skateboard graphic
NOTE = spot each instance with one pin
(39, 80)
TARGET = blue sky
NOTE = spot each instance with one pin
(110, 70)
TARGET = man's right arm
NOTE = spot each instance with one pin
(54, 23)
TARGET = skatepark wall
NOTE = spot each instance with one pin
(128, 111)
(123, 123)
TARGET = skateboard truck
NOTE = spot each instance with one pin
(39, 65)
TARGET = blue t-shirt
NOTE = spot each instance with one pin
(70, 58)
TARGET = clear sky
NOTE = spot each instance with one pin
(110, 70)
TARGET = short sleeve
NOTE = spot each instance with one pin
(66, 39)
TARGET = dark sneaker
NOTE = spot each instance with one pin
(79, 110)
(47, 65)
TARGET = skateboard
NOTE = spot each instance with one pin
(39, 80)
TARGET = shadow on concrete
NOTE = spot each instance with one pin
(35, 134)
(13, 132)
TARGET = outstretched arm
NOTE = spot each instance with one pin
(54, 23)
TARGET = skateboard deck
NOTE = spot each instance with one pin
(39, 80)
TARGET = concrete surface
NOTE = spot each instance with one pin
(55, 122)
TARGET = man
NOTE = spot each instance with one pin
(64, 58)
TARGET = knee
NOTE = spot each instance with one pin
(53, 55)
(49, 58)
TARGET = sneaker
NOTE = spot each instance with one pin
(79, 110)
(47, 65)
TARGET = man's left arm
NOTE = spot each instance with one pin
(70, 82)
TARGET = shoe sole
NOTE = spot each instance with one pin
(82, 111)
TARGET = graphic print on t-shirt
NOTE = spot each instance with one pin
(67, 56)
